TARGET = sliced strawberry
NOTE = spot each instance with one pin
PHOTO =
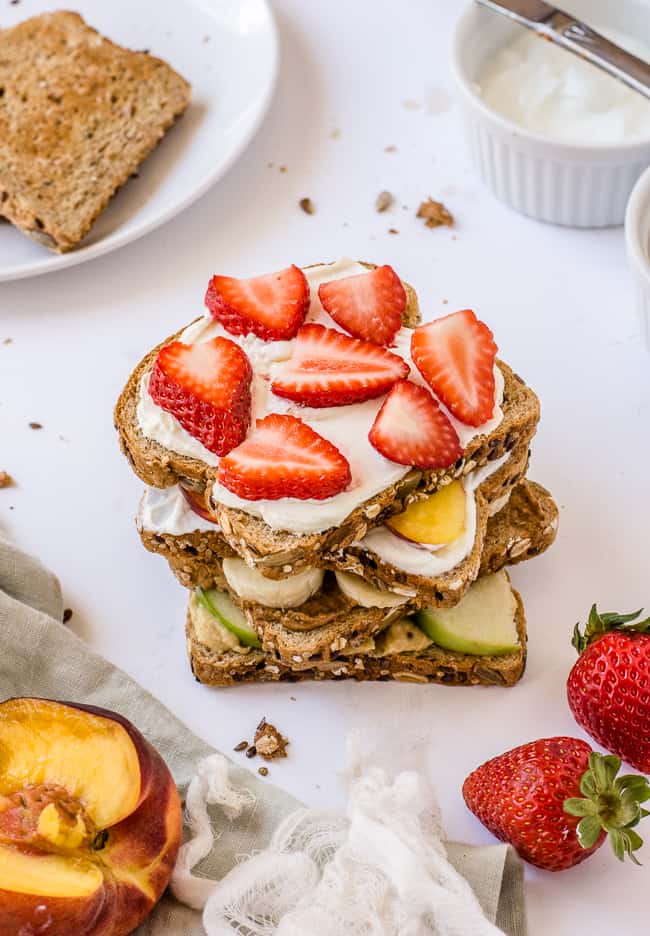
(455, 355)
(273, 307)
(329, 369)
(284, 457)
(368, 305)
(197, 504)
(207, 387)
(411, 429)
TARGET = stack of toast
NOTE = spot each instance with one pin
(339, 487)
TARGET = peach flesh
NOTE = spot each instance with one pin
(61, 872)
(92, 757)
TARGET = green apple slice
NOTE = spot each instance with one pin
(482, 624)
(221, 607)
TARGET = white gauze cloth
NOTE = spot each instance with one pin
(381, 870)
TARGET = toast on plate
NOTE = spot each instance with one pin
(78, 114)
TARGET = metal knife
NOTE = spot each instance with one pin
(577, 37)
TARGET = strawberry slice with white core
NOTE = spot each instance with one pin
(329, 369)
(284, 457)
(411, 429)
(207, 387)
(455, 355)
(368, 305)
(273, 306)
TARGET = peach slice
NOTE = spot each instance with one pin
(90, 821)
(435, 520)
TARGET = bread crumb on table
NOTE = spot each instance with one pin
(384, 201)
(6, 480)
(435, 214)
(269, 743)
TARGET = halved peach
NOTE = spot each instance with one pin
(90, 821)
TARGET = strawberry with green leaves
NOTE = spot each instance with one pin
(609, 687)
(556, 801)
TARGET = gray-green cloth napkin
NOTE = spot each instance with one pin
(41, 657)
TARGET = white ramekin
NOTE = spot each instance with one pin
(637, 239)
(573, 184)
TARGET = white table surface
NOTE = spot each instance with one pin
(561, 305)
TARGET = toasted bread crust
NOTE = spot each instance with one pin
(431, 665)
(77, 117)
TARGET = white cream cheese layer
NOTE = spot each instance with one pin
(432, 560)
(167, 511)
(346, 427)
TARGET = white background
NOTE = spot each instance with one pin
(560, 303)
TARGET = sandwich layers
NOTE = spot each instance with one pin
(391, 569)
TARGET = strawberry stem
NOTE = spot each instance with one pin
(611, 804)
(599, 624)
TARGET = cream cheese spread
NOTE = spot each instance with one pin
(166, 511)
(552, 92)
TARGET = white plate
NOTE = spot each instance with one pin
(227, 49)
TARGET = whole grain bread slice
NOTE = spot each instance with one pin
(78, 114)
(193, 559)
(328, 627)
(279, 553)
(433, 665)
(525, 527)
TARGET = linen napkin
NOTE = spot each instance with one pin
(41, 657)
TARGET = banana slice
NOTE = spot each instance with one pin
(290, 592)
(358, 590)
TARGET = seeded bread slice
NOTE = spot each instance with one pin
(78, 114)
(278, 553)
(159, 466)
(329, 627)
(431, 665)
(194, 556)
(194, 559)
(521, 530)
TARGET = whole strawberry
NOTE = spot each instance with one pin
(556, 800)
(609, 687)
